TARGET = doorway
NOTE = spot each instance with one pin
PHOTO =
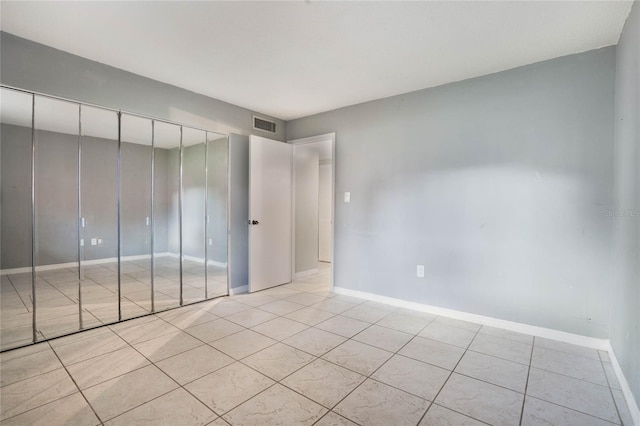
(312, 210)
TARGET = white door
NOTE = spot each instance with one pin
(324, 214)
(270, 170)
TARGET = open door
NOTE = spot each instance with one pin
(270, 184)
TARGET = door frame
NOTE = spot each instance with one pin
(303, 141)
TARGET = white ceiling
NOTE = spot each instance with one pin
(293, 59)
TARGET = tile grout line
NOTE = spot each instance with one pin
(449, 377)
(615, 404)
(526, 384)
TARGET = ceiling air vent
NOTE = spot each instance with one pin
(264, 125)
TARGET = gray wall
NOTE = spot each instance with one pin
(625, 302)
(307, 175)
(239, 200)
(32, 66)
(498, 185)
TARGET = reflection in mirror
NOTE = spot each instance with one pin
(135, 216)
(166, 221)
(217, 209)
(99, 214)
(193, 215)
(16, 307)
(56, 217)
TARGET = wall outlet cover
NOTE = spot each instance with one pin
(420, 271)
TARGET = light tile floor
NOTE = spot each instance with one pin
(299, 354)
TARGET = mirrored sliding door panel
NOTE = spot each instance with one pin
(16, 297)
(217, 210)
(136, 153)
(166, 207)
(193, 215)
(98, 215)
(56, 217)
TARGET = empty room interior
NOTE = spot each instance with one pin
(320, 213)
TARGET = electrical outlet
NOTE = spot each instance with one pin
(210, 241)
(347, 197)
(94, 241)
(99, 241)
(81, 242)
(420, 271)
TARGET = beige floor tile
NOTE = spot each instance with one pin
(507, 334)
(457, 323)
(253, 299)
(324, 382)
(228, 387)
(333, 419)
(214, 330)
(480, 400)
(177, 407)
(538, 412)
(575, 366)
(70, 410)
(440, 416)
(193, 364)
(314, 341)
(432, 352)
(494, 370)
(343, 326)
(567, 347)
(167, 345)
(334, 305)
(365, 313)
(406, 322)
(105, 367)
(187, 316)
(88, 346)
(242, 344)
(123, 393)
(578, 395)
(418, 378)
(250, 317)
(305, 298)
(623, 407)
(502, 348)
(276, 406)
(309, 316)
(375, 403)
(17, 369)
(280, 328)
(383, 338)
(358, 357)
(278, 361)
(447, 334)
(281, 307)
(34, 392)
(223, 307)
(143, 329)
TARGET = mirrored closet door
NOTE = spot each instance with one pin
(105, 216)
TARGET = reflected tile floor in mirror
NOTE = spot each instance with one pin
(57, 295)
(300, 354)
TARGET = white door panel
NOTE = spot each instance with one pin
(270, 187)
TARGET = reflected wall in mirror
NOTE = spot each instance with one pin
(135, 216)
(194, 269)
(166, 208)
(16, 303)
(56, 217)
(98, 215)
(217, 214)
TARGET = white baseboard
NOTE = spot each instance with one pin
(626, 390)
(199, 260)
(306, 273)
(238, 290)
(55, 266)
(576, 339)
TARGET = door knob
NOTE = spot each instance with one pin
(254, 222)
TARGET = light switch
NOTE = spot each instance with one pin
(81, 242)
(210, 241)
(148, 221)
(94, 241)
(99, 241)
(347, 197)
